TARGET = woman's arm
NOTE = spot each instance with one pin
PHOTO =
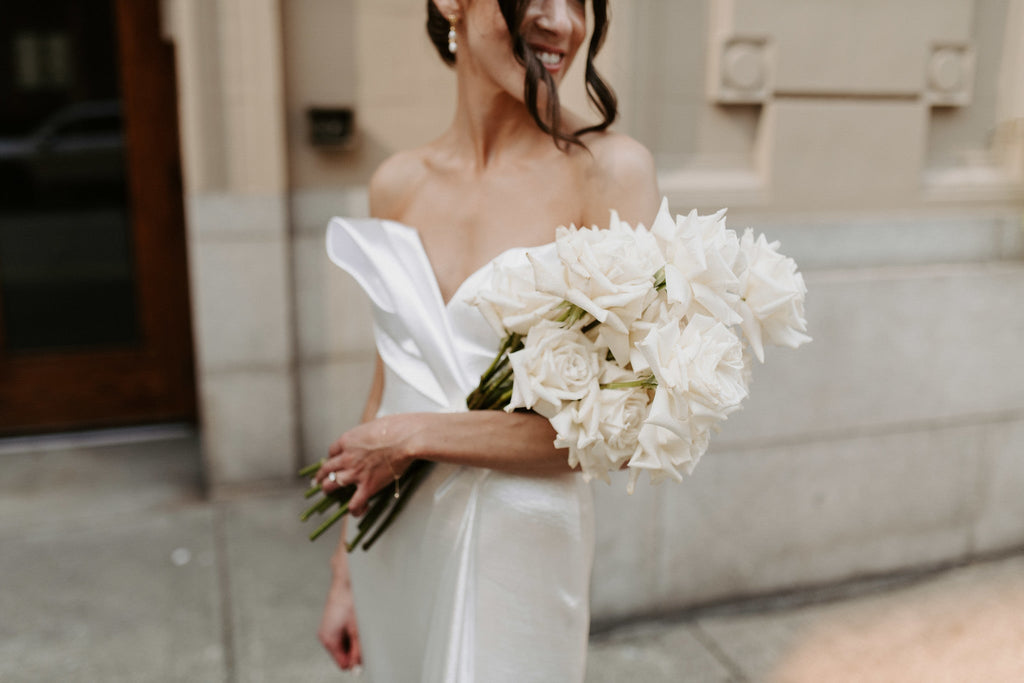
(371, 454)
(339, 632)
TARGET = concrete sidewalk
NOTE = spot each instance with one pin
(114, 568)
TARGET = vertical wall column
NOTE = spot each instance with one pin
(231, 97)
(1009, 137)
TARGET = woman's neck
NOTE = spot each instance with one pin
(490, 124)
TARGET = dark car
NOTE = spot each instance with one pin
(77, 153)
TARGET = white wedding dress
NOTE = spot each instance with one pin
(484, 576)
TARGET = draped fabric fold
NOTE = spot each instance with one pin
(412, 332)
(485, 575)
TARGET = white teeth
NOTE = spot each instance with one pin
(552, 58)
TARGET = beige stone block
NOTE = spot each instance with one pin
(320, 50)
(627, 537)
(248, 426)
(241, 304)
(1001, 506)
(406, 125)
(892, 241)
(398, 65)
(333, 395)
(869, 47)
(221, 216)
(845, 154)
(334, 315)
(782, 517)
(313, 209)
(252, 96)
(320, 68)
(892, 346)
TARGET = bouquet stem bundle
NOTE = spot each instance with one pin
(381, 511)
(493, 393)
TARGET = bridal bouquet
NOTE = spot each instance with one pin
(628, 341)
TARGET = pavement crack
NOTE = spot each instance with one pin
(220, 550)
(736, 673)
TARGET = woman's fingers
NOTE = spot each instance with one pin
(356, 652)
(335, 465)
(357, 504)
(334, 479)
(343, 646)
(333, 645)
(337, 447)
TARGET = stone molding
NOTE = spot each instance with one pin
(781, 58)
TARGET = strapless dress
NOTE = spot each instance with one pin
(484, 576)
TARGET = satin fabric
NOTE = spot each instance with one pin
(484, 577)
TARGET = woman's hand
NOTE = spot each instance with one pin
(370, 457)
(338, 631)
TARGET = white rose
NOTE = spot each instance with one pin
(772, 296)
(621, 413)
(700, 372)
(700, 254)
(510, 301)
(718, 377)
(601, 430)
(607, 273)
(662, 453)
(554, 365)
(659, 312)
(577, 428)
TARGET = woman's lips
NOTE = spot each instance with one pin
(551, 59)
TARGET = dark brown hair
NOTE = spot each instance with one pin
(599, 92)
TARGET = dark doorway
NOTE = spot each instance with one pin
(94, 307)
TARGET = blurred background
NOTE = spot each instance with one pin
(174, 344)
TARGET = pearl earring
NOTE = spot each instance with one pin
(452, 46)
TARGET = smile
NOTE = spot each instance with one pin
(551, 60)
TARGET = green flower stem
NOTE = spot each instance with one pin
(342, 511)
(378, 504)
(486, 387)
(507, 344)
(499, 387)
(312, 492)
(340, 496)
(319, 507)
(310, 470)
(572, 314)
(646, 382)
(503, 400)
(412, 478)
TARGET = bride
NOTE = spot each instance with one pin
(484, 576)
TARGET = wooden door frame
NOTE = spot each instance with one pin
(156, 380)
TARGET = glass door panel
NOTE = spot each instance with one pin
(66, 267)
(93, 292)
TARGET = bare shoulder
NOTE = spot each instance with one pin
(621, 156)
(394, 182)
(620, 175)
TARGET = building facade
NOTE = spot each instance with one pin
(882, 143)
